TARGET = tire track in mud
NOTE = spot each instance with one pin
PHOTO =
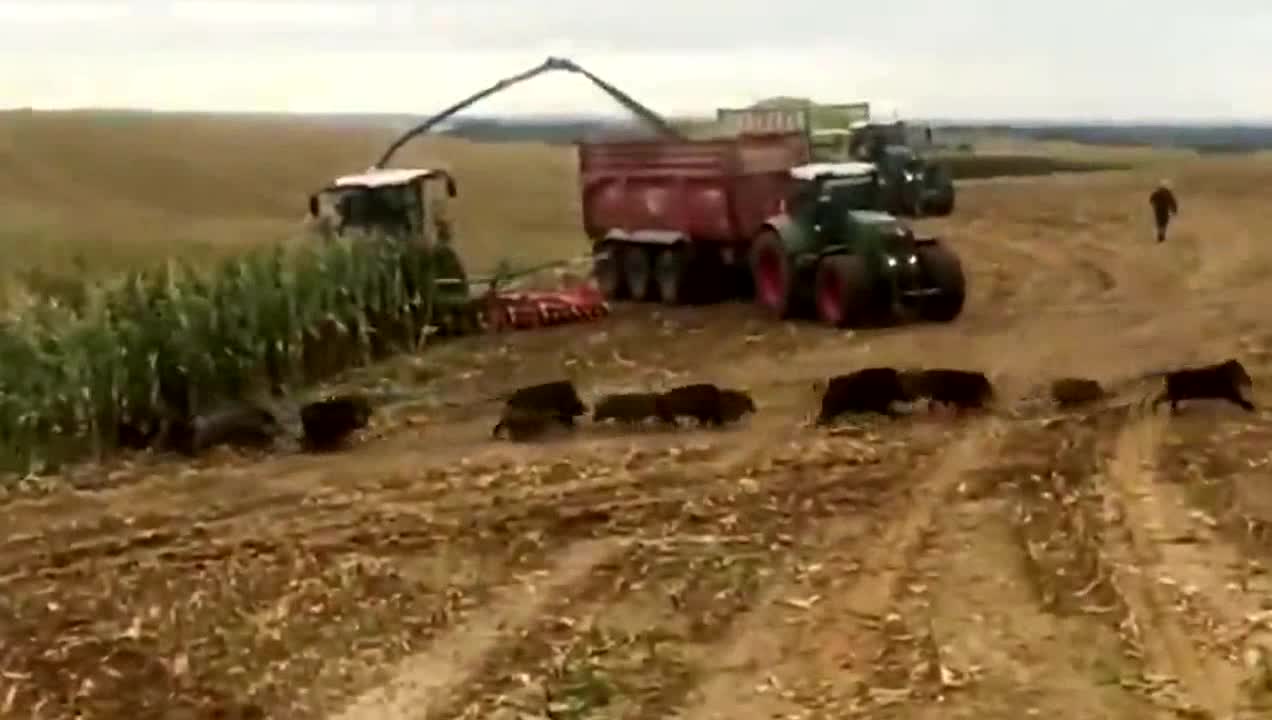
(782, 673)
(1194, 616)
(1029, 268)
(1009, 610)
(693, 504)
(411, 517)
(689, 596)
(423, 682)
(1119, 623)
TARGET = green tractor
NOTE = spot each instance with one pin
(830, 256)
(916, 186)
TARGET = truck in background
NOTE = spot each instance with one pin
(844, 132)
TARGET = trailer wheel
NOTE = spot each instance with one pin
(637, 272)
(842, 290)
(943, 271)
(672, 268)
(772, 273)
(607, 267)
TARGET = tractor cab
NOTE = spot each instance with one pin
(838, 203)
(843, 186)
(409, 204)
(908, 184)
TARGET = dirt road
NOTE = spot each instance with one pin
(1023, 564)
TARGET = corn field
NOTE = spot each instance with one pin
(167, 343)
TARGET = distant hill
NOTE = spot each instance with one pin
(1199, 137)
(558, 129)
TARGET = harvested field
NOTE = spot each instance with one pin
(1024, 563)
(974, 167)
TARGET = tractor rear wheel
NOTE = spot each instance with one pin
(607, 267)
(672, 269)
(773, 275)
(637, 272)
(842, 290)
(941, 270)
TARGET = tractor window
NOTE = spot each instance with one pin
(852, 194)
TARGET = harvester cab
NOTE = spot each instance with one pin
(409, 205)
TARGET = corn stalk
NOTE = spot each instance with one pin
(164, 344)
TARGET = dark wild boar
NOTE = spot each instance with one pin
(1220, 381)
(631, 408)
(522, 424)
(1074, 391)
(242, 426)
(558, 398)
(735, 404)
(869, 390)
(329, 422)
(700, 401)
(963, 389)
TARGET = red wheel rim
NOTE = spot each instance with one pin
(830, 298)
(769, 280)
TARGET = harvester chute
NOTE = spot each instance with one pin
(551, 64)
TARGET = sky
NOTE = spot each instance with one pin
(952, 59)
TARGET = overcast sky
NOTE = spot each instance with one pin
(1116, 59)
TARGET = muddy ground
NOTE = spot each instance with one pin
(1024, 563)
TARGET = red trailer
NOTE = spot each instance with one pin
(670, 216)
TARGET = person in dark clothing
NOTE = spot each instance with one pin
(1164, 207)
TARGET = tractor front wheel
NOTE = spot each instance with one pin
(943, 271)
(607, 267)
(672, 269)
(842, 290)
(637, 272)
(943, 208)
(773, 275)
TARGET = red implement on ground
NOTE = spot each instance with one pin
(530, 309)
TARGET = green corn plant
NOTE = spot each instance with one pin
(173, 340)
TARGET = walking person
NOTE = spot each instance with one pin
(1164, 207)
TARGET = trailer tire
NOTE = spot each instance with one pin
(638, 273)
(942, 269)
(842, 290)
(773, 275)
(672, 271)
(607, 268)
